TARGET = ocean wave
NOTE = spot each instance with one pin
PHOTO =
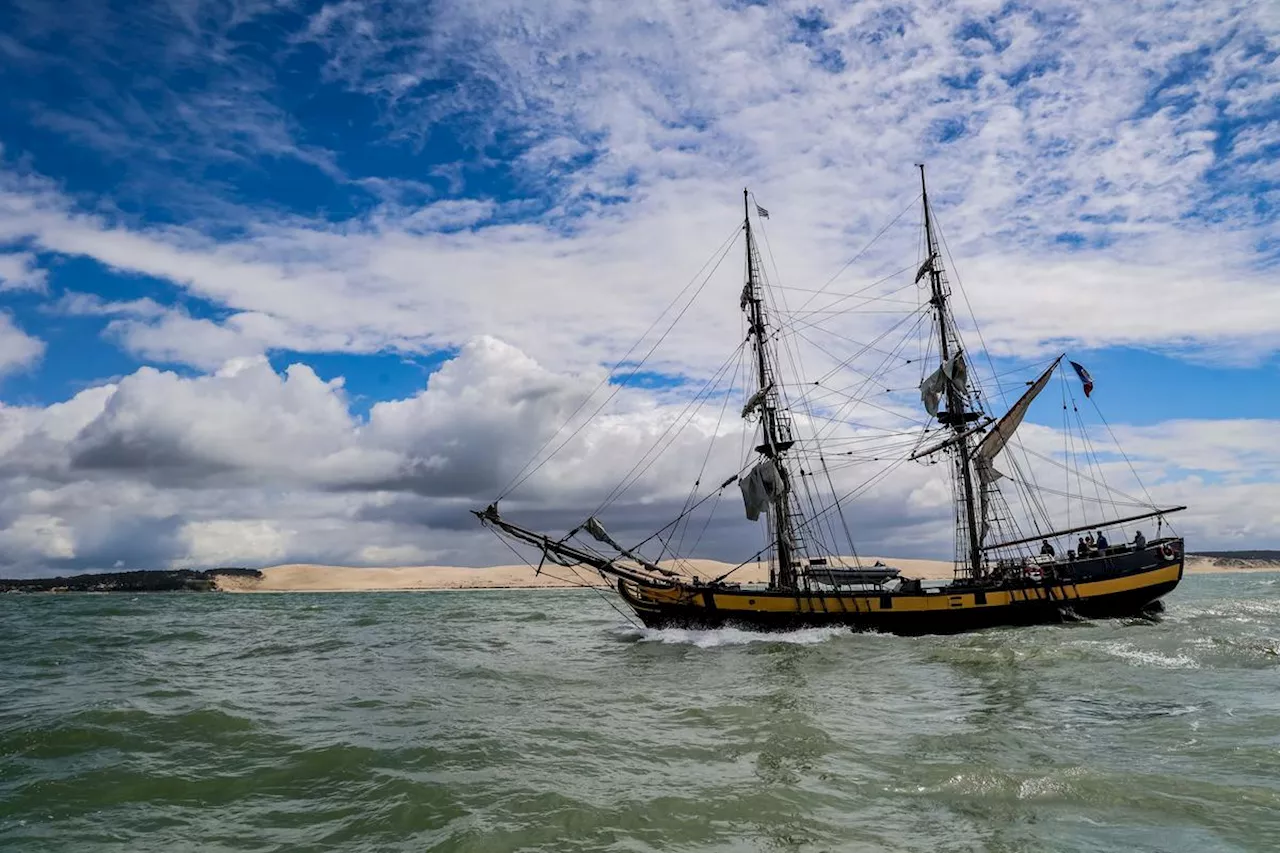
(547, 725)
(1239, 610)
(711, 638)
(1150, 657)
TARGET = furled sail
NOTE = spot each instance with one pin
(754, 402)
(957, 371)
(593, 526)
(953, 370)
(760, 488)
(931, 391)
(926, 267)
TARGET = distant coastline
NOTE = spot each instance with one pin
(161, 580)
(319, 578)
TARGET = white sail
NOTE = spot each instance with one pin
(985, 453)
(990, 446)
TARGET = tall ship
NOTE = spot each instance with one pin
(1039, 536)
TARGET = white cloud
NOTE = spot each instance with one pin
(1079, 177)
(223, 541)
(79, 304)
(19, 271)
(245, 466)
(17, 348)
(1244, 448)
(176, 337)
(214, 427)
(39, 537)
(1067, 130)
(394, 555)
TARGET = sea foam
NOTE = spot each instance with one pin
(715, 637)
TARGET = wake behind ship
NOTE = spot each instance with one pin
(1025, 554)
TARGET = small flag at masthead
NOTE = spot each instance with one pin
(1084, 378)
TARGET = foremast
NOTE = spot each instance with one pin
(775, 424)
(957, 417)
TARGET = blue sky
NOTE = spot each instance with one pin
(276, 206)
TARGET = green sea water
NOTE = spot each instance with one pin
(502, 721)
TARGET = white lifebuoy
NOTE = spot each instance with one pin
(1167, 552)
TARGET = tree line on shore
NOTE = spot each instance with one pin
(164, 580)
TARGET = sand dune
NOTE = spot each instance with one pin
(315, 578)
(303, 577)
(1197, 564)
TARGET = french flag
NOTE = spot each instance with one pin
(1084, 377)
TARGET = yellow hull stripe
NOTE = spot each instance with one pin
(749, 602)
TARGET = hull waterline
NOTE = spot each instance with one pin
(950, 610)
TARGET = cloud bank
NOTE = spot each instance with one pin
(528, 185)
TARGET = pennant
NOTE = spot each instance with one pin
(1085, 378)
(764, 214)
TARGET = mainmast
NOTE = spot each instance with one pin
(956, 415)
(774, 423)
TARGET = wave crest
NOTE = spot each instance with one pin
(710, 638)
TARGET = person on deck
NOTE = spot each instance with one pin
(1102, 541)
(1046, 549)
(1139, 541)
(1088, 541)
(1082, 548)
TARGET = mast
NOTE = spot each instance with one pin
(957, 417)
(775, 426)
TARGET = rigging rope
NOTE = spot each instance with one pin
(797, 366)
(1122, 453)
(655, 450)
(723, 252)
(607, 598)
(1026, 497)
(707, 456)
(865, 248)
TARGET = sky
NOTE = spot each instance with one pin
(286, 282)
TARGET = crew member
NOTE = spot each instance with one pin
(1046, 549)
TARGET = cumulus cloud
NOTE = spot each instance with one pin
(243, 418)
(17, 348)
(1094, 191)
(20, 271)
(234, 541)
(38, 537)
(246, 466)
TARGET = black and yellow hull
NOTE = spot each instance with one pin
(1115, 586)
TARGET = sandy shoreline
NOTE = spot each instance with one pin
(318, 578)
